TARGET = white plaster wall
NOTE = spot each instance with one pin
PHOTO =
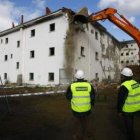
(9, 66)
(42, 64)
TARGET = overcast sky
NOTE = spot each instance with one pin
(11, 10)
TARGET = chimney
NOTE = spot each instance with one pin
(21, 20)
(13, 25)
(48, 11)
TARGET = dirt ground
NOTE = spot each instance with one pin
(48, 117)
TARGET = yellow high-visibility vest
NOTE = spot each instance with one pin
(81, 101)
(132, 102)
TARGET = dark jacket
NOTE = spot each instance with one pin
(122, 95)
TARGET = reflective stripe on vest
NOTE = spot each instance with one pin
(81, 101)
(132, 102)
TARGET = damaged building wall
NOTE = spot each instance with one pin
(69, 51)
(92, 50)
(110, 57)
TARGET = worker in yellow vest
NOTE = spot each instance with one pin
(82, 97)
(128, 100)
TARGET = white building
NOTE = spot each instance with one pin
(129, 53)
(49, 49)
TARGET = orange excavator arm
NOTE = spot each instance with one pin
(122, 23)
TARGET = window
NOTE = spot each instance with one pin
(6, 40)
(102, 34)
(96, 76)
(103, 47)
(96, 56)
(109, 78)
(31, 76)
(127, 53)
(17, 65)
(32, 32)
(96, 35)
(18, 43)
(122, 62)
(51, 76)
(51, 51)
(32, 54)
(6, 57)
(1, 41)
(121, 54)
(127, 61)
(92, 31)
(11, 55)
(132, 53)
(5, 76)
(52, 27)
(82, 51)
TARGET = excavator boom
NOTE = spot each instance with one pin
(109, 14)
(121, 22)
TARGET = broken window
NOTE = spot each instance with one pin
(102, 34)
(31, 76)
(103, 47)
(32, 54)
(82, 51)
(96, 56)
(17, 65)
(18, 43)
(109, 78)
(52, 27)
(32, 32)
(51, 76)
(51, 51)
(96, 76)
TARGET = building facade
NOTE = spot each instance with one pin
(49, 49)
(129, 53)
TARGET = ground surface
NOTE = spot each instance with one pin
(48, 117)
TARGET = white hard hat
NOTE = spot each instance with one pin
(79, 74)
(127, 72)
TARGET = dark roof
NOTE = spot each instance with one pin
(32, 22)
(128, 41)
